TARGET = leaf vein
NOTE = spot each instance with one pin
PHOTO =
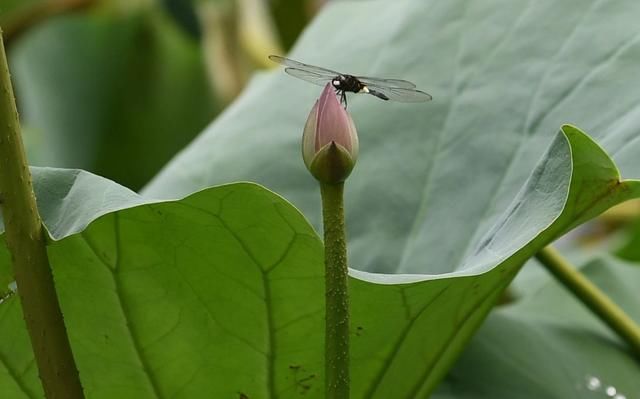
(125, 313)
(399, 342)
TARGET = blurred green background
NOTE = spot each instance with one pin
(118, 87)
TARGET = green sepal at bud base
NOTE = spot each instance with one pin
(332, 164)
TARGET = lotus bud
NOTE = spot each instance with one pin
(330, 140)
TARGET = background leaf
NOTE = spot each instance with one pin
(433, 178)
(114, 93)
(548, 345)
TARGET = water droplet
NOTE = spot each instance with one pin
(619, 396)
(611, 391)
(593, 383)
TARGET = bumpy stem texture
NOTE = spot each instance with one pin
(589, 294)
(337, 295)
(26, 242)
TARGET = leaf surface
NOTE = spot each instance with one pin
(548, 345)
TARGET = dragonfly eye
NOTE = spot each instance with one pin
(335, 82)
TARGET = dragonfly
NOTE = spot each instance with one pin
(385, 89)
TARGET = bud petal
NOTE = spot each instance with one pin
(330, 140)
(308, 136)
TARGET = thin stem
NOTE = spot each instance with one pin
(589, 294)
(336, 293)
(26, 242)
(218, 22)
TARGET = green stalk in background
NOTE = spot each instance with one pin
(330, 150)
(591, 296)
(26, 242)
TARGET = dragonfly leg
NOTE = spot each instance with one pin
(343, 97)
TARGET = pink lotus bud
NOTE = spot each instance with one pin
(330, 140)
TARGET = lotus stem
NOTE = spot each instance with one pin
(591, 296)
(336, 293)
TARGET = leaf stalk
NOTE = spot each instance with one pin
(591, 296)
(26, 241)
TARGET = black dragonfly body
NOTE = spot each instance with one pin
(385, 89)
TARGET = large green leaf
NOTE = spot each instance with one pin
(548, 345)
(221, 293)
(432, 178)
(113, 93)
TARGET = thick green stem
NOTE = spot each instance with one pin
(26, 242)
(589, 294)
(337, 294)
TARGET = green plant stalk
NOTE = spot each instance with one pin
(26, 241)
(336, 293)
(589, 294)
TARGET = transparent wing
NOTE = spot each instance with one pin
(399, 94)
(309, 76)
(305, 67)
(404, 84)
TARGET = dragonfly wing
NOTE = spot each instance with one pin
(404, 84)
(399, 94)
(305, 67)
(311, 77)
